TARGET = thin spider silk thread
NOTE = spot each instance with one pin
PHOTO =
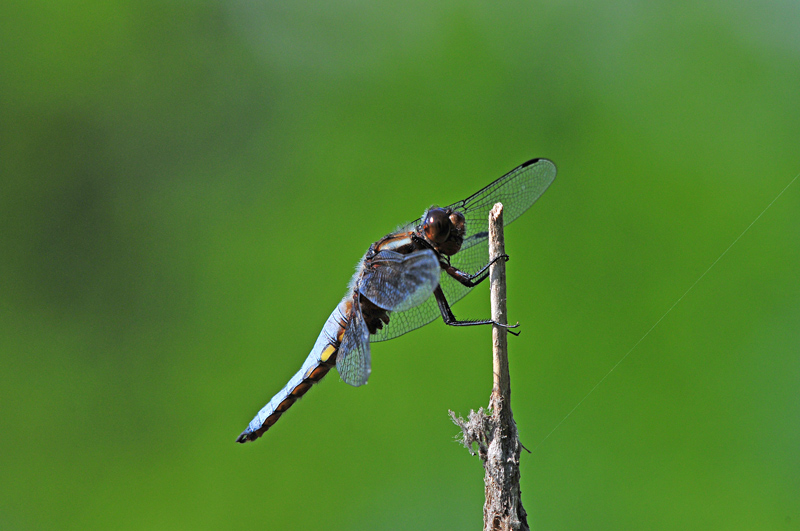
(665, 314)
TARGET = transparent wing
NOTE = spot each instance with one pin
(518, 190)
(398, 282)
(353, 359)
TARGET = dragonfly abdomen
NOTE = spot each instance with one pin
(318, 363)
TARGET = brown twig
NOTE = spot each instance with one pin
(496, 434)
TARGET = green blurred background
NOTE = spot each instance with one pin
(187, 186)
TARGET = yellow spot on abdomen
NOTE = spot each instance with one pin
(329, 351)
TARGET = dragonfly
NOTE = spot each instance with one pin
(408, 279)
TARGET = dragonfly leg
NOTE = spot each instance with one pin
(450, 319)
(473, 280)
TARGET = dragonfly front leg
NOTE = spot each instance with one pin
(450, 319)
(473, 280)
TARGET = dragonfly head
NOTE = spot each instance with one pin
(445, 229)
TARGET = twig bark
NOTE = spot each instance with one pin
(496, 434)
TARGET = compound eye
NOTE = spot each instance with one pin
(458, 221)
(437, 225)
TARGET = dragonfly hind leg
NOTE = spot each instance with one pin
(450, 319)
